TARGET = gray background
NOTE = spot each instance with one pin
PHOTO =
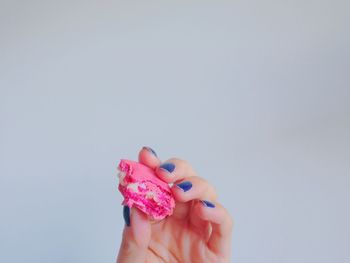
(254, 94)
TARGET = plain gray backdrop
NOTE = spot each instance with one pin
(254, 94)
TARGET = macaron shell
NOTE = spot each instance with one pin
(143, 189)
(140, 172)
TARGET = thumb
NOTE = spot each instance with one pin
(136, 236)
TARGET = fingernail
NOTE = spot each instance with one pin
(150, 150)
(207, 203)
(169, 167)
(185, 186)
(126, 215)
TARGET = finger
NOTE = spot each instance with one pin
(221, 225)
(148, 157)
(136, 237)
(192, 188)
(174, 169)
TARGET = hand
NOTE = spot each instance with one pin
(199, 230)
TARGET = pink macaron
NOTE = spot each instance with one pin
(141, 188)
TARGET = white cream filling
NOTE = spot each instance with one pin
(150, 195)
(134, 187)
(142, 185)
(121, 176)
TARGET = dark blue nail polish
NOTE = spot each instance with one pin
(207, 203)
(170, 167)
(126, 215)
(150, 150)
(185, 186)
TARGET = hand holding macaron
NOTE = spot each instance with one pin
(197, 229)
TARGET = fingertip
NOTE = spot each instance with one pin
(207, 203)
(148, 157)
(215, 213)
(206, 210)
(149, 149)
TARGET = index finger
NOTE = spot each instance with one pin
(148, 157)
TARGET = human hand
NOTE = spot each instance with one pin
(199, 230)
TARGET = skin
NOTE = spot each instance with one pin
(194, 233)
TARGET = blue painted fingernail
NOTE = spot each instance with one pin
(150, 150)
(126, 215)
(185, 186)
(207, 203)
(169, 167)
